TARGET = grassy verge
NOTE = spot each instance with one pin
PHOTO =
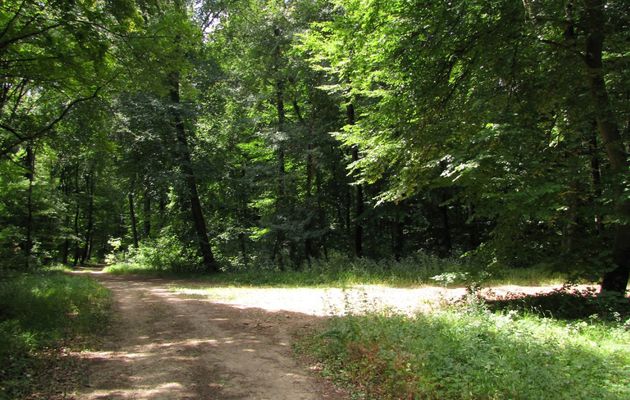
(39, 312)
(418, 270)
(474, 354)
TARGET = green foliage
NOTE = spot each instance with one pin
(166, 254)
(38, 311)
(473, 354)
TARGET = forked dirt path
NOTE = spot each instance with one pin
(162, 345)
(181, 340)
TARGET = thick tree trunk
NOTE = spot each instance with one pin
(132, 217)
(615, 280)
(185, 164)
(359, 206)
(596, 176)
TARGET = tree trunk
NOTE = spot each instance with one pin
(90, 184)
(162, 210)
(281, 199)
(185, 164)
(77, 213)
(399, 237)
(30, 175)
(359, 206)
(66, 242)
(596, 176)
(147, 213)
(615, 280)
(132, 217)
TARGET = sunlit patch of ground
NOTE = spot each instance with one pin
(336, 301)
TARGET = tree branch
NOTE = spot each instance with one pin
(6, 148)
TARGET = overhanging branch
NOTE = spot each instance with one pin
(6, 147)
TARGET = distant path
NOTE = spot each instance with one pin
(165, 346)
(181, 340)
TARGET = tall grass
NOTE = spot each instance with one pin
(37, 311)
(455, 354)
(340, 271)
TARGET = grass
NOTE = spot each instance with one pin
(37, 312)
(472, 353)
(338, 271)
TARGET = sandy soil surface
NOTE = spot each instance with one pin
(180, 340)
(162, 345)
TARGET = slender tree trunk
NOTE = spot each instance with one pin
(30, 175)
(399, 237)
(66, 242)
(191, 183)
(147, 213)
(162, 210)
(359, 206)
(309, 247)
(321, 213)
(281, 199)
(243, 245)
(132, 217)
(90, 184)
(77, 214)
(615, 280)
(447, 244)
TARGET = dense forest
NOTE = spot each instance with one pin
(216, 135)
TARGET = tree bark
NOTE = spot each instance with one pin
(446, 240)
(185, 163)
(281, 199)
(359, 205)
(90, 185)
(77, 213)
(147, 213)
(30, 175)
(132, 217)
(66, 242)
(615, 280)
(596, 176)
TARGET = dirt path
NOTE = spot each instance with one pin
(166, 346)
(182, 340)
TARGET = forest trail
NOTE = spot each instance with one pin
(181, 340)
(162, 345)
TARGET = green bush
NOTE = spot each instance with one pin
(474, 354)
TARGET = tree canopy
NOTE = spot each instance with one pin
(212, 135)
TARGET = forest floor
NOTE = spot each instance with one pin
(183, 340)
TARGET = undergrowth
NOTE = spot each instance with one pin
(339, 271)
(37, 312)
(471, 353)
